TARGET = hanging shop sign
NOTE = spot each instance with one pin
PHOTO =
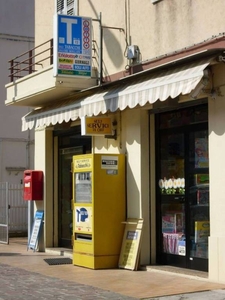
(72, 46)
(96, 126)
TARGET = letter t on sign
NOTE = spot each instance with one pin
(69, 23)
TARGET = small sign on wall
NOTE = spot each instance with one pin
(96, 126)
(109, 162)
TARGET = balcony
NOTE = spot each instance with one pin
(32, 82)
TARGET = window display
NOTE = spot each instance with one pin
(173, 225)
(199, 213)
(183, 187)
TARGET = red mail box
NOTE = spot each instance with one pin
(33, 185)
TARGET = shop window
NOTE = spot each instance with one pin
(183, 117)
(183, 187)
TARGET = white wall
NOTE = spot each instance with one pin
(217, 179)
(10, 116)
(44, 12)
(44, 162)
(133, 140)
(16, 37)
(157, 29)
(17, 17)
(16, 155)
(136, 139)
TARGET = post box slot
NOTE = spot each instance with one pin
(83, 237)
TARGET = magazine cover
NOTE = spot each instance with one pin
(201, 153)
(201, 231)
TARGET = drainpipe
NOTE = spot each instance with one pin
(30, 203)
(30, 218)
(100, 44)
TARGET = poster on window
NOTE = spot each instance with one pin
(201, 153)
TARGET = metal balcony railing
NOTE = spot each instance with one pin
(31, 61)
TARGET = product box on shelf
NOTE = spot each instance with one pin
(172, 223)
(203, 196)
(201, 231)
(202, 250)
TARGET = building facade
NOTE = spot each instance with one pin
(157, 71)
(16, 37)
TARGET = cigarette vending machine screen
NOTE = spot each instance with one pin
(83, 187)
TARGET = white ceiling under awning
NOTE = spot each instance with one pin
(148, 89)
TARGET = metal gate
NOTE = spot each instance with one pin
(4, 213)
(13, 211)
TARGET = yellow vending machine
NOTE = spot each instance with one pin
(99, 209)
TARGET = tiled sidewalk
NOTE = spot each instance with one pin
(89, 284)
(17, 283)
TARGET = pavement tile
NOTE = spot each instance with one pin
(16, 283)
(25, 275)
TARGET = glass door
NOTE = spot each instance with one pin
(65, 195)
(70, 143)
(172, 198)
(183, 188)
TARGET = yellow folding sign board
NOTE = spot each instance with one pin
(130, 250)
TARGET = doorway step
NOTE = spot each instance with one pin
(66, 252)
(177, 271)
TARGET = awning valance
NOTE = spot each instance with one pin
(139, 90)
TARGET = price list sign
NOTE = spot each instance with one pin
(38, 219)
(72, 46)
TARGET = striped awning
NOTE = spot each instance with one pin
(139, 90)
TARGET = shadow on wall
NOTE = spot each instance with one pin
(113, 48)
(133, 194)
(112, 45)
